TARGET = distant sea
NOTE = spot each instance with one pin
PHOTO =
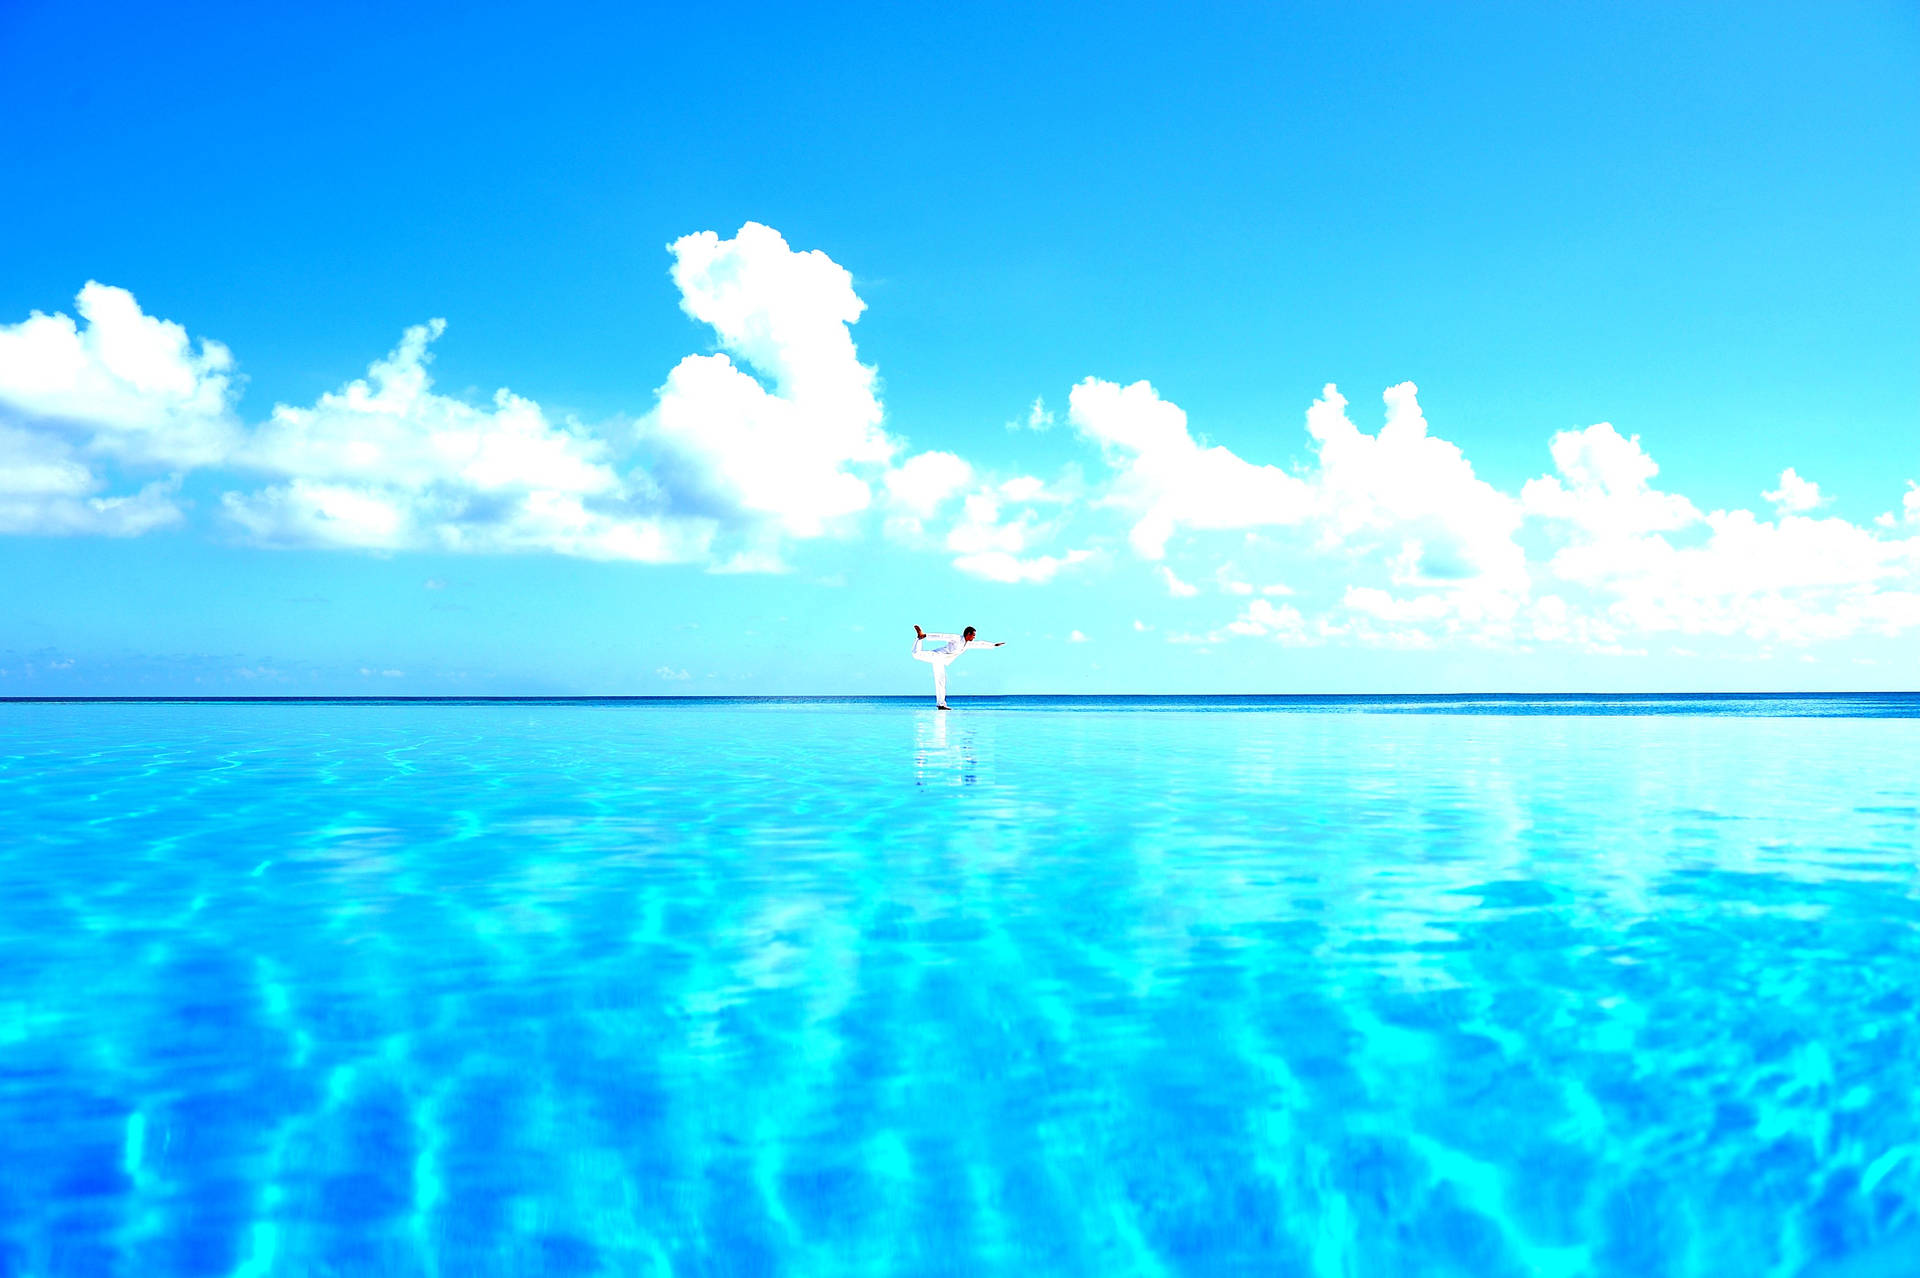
(1869, 705)
(1530, 985)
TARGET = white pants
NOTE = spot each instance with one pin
(939, 662)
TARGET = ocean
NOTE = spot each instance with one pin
(1114, 986)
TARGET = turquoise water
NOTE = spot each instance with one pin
(1390, 987)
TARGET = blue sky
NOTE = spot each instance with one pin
(1693, 224)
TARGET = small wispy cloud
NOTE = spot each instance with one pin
(1176, 587)
(1230, 583)
(1795, 496)
(1038, 417)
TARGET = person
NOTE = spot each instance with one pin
(943, 655)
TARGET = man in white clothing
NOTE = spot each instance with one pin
(943, 655)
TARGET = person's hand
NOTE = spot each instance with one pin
(1001, 644)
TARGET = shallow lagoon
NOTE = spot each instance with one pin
(1153, 987)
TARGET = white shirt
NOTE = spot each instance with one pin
(954, 646)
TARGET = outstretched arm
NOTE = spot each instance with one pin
(982, 643)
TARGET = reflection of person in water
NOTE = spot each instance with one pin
(943, 655)
(938, 761)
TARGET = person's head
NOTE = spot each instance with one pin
(967, 634)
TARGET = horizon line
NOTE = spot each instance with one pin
(349, 698)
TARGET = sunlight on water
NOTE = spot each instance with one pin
(856, 988)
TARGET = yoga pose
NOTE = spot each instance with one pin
(943, 655)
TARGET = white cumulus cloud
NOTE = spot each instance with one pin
(1433, 553)
(47, 490)
(1795, 495)
(1166, 478)
(924, 481)
(790, 452)
(114, 400)
(1401, 499)
(778, 436)
(124, 384)
(387, 463)
(994, 548)
(1790, 579)
(1605, 487)
(1261, 619)
(1414, 494)
(1387, 537)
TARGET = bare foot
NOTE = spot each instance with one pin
(918, 633)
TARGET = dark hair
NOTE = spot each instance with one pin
(968, 631)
